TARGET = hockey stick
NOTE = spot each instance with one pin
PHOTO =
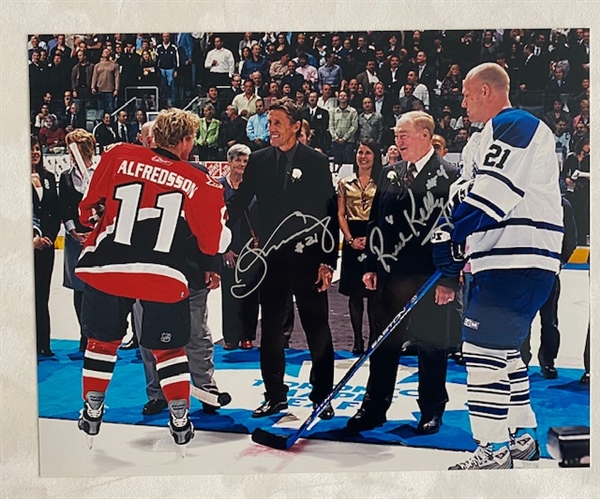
(215, 399)
(284, 442)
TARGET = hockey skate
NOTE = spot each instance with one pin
(91, 416)
(524, 447)
(180, 426)
(487, 458)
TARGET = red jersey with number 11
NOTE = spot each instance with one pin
(155, 204)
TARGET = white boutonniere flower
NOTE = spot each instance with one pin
(392, 176)
(296, 174)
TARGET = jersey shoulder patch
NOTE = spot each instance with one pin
(515, 127)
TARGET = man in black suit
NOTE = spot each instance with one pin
(534, 75)
(426, 73)
(298, 239)
(120, 127)
(409, 200)
(318, 119)
(392, 76)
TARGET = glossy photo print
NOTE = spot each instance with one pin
(311, 251)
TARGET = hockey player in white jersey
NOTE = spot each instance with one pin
(509, 217)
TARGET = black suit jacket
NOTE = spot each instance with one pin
(47, 209)
(534, 74)
(116, 130)
(392, 87)
(320, 124)
(401, 222)
(428, 76)
(312, 194)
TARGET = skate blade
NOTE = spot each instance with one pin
(90, 441)
(180, 451)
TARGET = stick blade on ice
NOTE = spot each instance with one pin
(281, 442)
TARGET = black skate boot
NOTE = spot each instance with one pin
(180, 426)
(91, 416)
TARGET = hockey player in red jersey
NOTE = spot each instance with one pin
(155, 206)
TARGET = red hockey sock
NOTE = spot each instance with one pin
(98, 365)
(173, 373)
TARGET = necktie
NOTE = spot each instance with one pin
(281, 167)
(123, 136)
(410, 175)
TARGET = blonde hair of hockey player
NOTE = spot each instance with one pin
(173, 125)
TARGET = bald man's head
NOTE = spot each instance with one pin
(485, 92)
(492, 74)
(147, 135)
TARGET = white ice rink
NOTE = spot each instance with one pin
(128, 450)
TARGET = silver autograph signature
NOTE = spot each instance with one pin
(251, 257)
(417, 219)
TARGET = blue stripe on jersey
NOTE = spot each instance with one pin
(516, 251)
(468, 219)
(488, 203)
(504, 180)
(515, 127)
(523, 222)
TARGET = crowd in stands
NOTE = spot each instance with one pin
(351, 85)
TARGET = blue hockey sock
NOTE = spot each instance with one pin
(526, 431)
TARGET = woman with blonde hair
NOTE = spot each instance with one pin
(452, 83)
(72, 185)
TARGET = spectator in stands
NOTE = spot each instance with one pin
(129, 62)
(103, 131)
(81, 78)
(135, 129)
(167, 62)
(246, 56)
(50, 134)
(207, 136)
(74, 119)
(355, 198)
(368, 77)
(406, 101)
(489, 47)
(326, 100)
(278, 69)
(584, 114)
(578, 187)
(439, 145)
(256, 63)
(581, 131)
(293, 78)
(555, 113)
(245, 103)
(444, 128)
(247, 42)
(35, 45)
(370, 123)
(579, 94)
(391, 76)
(261, 88)
(220, 62)
(420, 91)
(105, 81)
(65, 105)
(343, 124)
(329, 74)
(363, 54)
(228, 94)
(308, 72)
(562, 137)
(72, 185)
(426, 73)
(273, 94)
(37, 80)
(460, 140)
(392, 155)
(318, 121)
(46, 210)
(120, 127)
(58, 76)
(40, 118)
(452, 83)
(233, 130)
(534, 73)
(558, 84)
(300, 100)
(286, 90)
(257, 128)
(382, 103)
(281, 44)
